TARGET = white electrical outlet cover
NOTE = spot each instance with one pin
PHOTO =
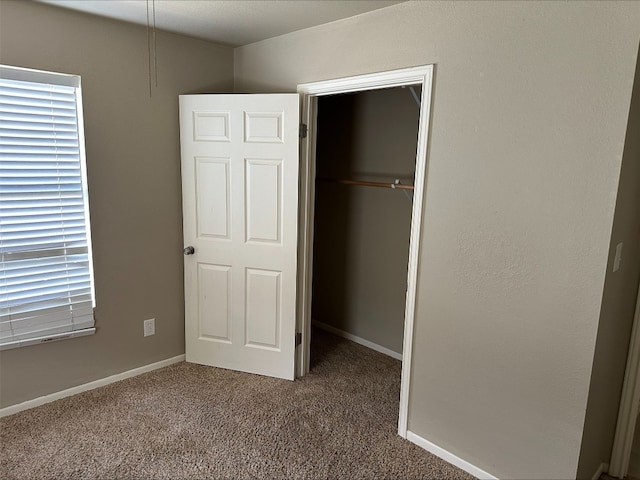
(150, 327)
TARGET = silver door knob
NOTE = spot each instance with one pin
(189, 250)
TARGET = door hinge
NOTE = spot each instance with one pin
(303, 130)
(298, 339)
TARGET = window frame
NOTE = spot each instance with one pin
(14, 73)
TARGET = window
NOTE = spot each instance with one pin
(46, 273)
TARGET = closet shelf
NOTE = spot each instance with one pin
(395, 185)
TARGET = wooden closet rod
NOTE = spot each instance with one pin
(394, 186)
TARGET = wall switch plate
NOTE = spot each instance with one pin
(150, 327)
(618, 258)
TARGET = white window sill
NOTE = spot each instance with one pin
(47, 339)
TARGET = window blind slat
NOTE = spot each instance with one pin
(36, 90)
(12, 189)
(26, 237)
(15, 215)
(38, 149)
(6, 98)
(47, 112)
(45, 307)
(35, 165)
(51, 142)
(49, 277)
(46, 284)
(29, 119)
(48, 201)
(49, 288)
(22, 244)
(53, 294)
(20, 259)
(43, 226)
(48, 160)
(19, 135)
(30, 177)
(52, 271)
(39, 128)
(18, 196)
(30, 104)
(42, 243)
(44, 205)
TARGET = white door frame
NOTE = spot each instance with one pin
(309, 93)
(629, 404)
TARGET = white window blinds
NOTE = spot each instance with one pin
(46, 278)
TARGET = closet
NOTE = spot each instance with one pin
(365, 166)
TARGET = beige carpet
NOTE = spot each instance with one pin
(189, 421)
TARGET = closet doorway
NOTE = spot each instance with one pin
(365, 167)
(364, 163)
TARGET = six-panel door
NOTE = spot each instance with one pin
(240, 200)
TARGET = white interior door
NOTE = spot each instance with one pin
(240, 214)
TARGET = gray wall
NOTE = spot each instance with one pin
(618, 304)
(133, 163)
(361, 248)
(529, 117)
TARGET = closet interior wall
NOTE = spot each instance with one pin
(361, 234)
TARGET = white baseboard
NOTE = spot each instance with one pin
(603, 468)
(449, 457)
(36, 402)
(358, 340)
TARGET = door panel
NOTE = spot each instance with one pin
(240, 213)
(263, 308)
(214, 290)
(263, 200)
(212, 197)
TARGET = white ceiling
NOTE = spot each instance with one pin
(231, 22)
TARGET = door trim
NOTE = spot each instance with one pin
(309, 93)
(629, 404)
